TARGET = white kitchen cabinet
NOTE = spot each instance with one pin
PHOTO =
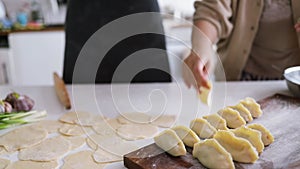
(4, 66)
(35, 56)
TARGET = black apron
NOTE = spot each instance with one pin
(84, 18)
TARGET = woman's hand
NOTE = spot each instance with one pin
(195, 71)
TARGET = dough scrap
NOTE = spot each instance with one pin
(202, 128)
(188, 136)
(240, 149)
(51, 126)
(253, 136)
(33, 165)
(266, 135)
(216, 121)
(244, 112)
(113, 144)
(81, 118)
(127, 118)
(71, 130)
(81, 160)
(170, 142)
(102, 156)
(232, 117)
(48, 150)
(165, 121)
(137, 131)
(75, 142)
(212, 155)
(252, 106)
(22, 137)
(4, 163)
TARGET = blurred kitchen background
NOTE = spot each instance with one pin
(32, 38)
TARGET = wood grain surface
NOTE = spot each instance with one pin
(281, 115)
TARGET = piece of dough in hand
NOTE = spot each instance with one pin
(205, 94)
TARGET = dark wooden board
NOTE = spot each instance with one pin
(281, 116)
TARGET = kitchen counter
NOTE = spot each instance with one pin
(43, 29)
(169, 98)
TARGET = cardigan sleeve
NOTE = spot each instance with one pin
(217, 12)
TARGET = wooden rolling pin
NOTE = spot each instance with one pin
(61, 91)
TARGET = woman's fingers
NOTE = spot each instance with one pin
(200, 74)
(195, 72)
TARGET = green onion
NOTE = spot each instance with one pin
(14, 119)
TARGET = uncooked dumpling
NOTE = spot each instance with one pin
(170, 142)
(244, 112)
(232, 117)
(266, 135)
(212, 155)
(240, 149)
(188, 136)
(252, 106)
(253, 136)
(216, 121)
(201, 127)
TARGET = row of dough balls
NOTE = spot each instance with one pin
(222, 145)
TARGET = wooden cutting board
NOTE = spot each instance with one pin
(281, 116)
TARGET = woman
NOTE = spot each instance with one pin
(84, 18)
(256, 39)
